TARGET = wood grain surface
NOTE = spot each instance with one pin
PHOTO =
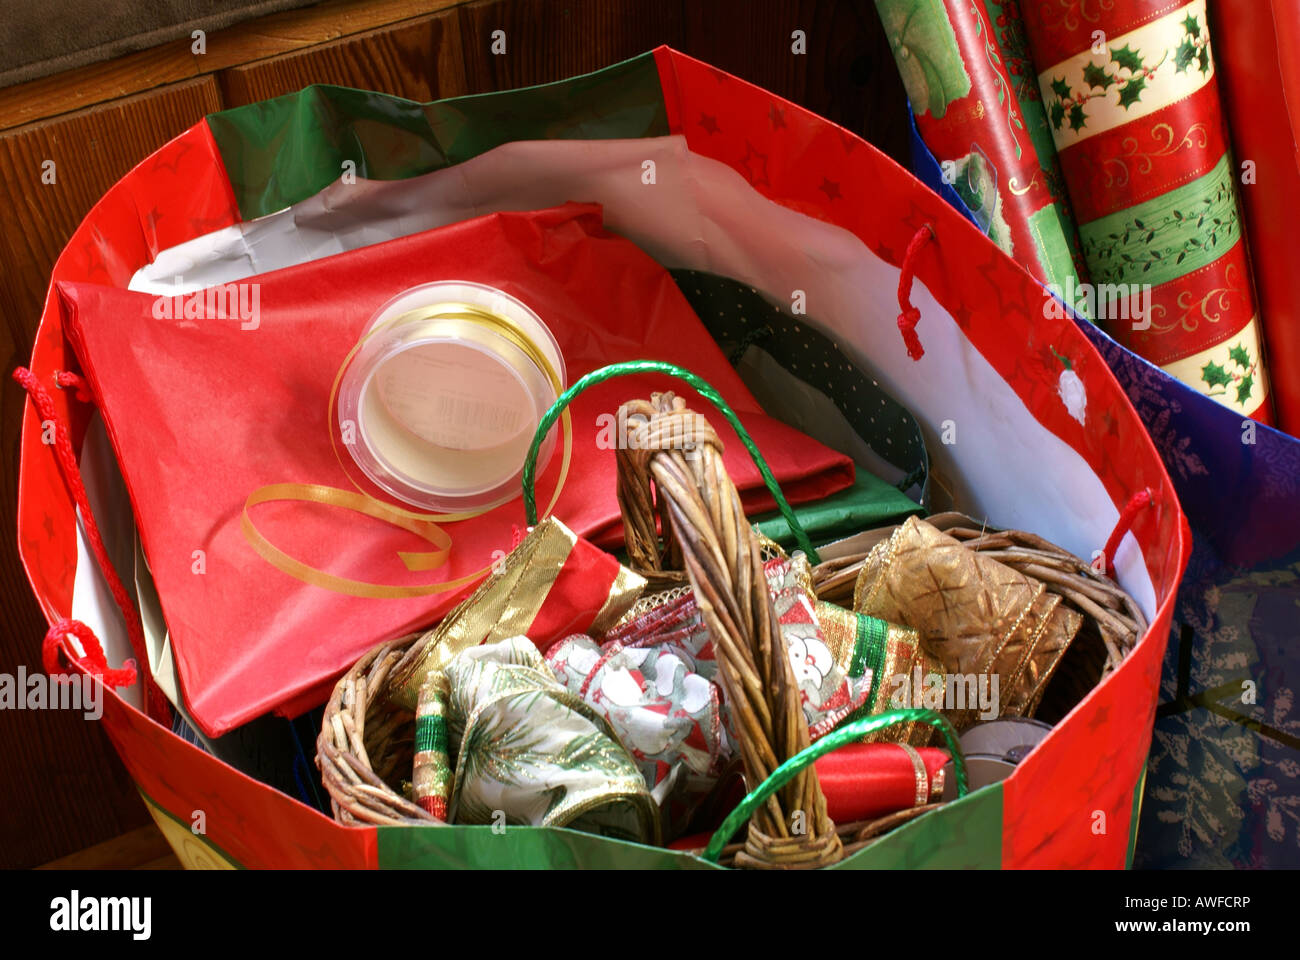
(243, 43)
(144, 848)
(91, 150)
(847, 74)
(418, 59)
(547, 40)
(64, 789)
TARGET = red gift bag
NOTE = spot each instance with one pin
(1027, 426)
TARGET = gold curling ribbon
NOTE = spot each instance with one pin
(363, 504)
(921, 775)
(424, 525)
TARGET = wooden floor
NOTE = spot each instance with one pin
(141, 849)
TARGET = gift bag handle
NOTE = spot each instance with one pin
(849, 733)
(704, 389)
(156, 706)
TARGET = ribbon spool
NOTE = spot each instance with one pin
(440, 400)
(439, 404)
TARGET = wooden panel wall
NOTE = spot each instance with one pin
(847, 75)
(548, 41)
(63, 789)
(419, 59)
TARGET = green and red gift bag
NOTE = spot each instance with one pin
(691, 168)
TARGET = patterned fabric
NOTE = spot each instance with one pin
(1223, 775)
(742, 320)
(1135, 113)
(530, 752)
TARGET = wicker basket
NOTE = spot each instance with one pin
(367, 744)
(671, 472)
(684, 527)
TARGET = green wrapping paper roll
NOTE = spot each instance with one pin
(972, 89)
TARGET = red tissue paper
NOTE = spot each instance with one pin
(202, 413)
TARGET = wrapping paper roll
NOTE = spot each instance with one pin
(861, 781)
(1254, 38)
(979, 111)
(866, 780)
(1133, 102)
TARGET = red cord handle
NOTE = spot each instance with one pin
(93, 659)
(67, 380)
(1143, 498)
(156, 706)
(909, 315)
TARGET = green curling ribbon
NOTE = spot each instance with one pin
(849, 733)
(705, 390)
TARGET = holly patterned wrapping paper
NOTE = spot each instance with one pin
(1134, 109)
(977, 105)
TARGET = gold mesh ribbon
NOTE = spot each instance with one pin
(504, 606)
(976, 616)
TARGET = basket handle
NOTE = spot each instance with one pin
(849, 733)
(704, 389)
(675, 467)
